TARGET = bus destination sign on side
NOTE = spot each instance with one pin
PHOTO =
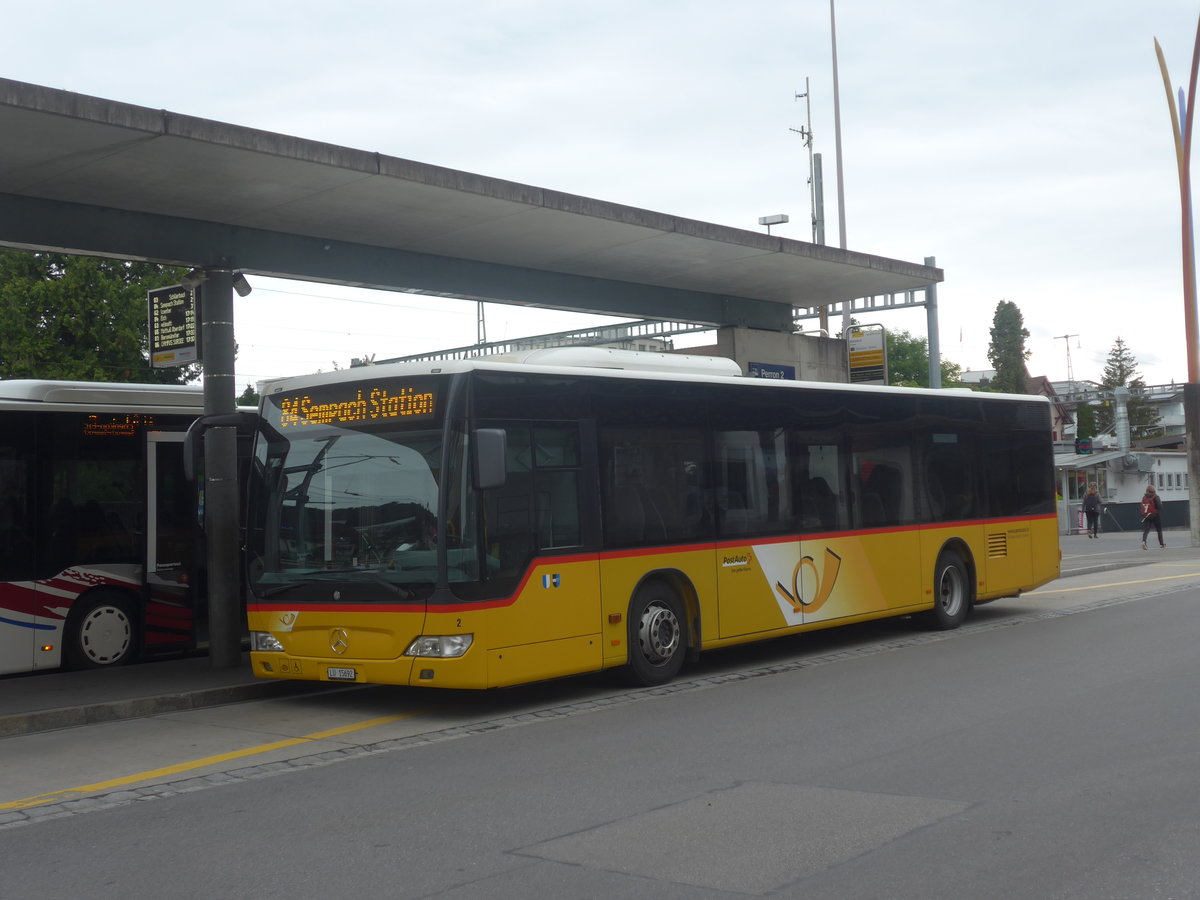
(174, 326)
(121, 425)
(358, 403)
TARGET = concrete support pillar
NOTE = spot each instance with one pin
(220, 472)
(931, 328)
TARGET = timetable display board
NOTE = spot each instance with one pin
(174, 326)
(866, 351)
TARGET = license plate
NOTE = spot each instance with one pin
(340, 674)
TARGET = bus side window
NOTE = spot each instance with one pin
(883, 474)
(509, 510)
(948, 476)
(16, 476)
(817, 482)
(537, 508)
(556, 482)
(652, 484)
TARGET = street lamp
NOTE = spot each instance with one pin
(1182, 118)
(779, 219)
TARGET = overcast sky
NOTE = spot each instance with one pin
(1026, 145)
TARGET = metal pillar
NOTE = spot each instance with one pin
(931, 329)
(220, 472)
(1191, 419)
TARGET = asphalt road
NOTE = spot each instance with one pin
(1046, 749)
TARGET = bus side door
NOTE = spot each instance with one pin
(172, 535)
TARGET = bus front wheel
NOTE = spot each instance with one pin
(657, 636)
(100, 631)
(951, 592)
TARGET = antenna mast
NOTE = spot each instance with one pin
(1070, 371)
(806, 133)
(815, 194)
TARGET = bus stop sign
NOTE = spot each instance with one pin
(866, 349)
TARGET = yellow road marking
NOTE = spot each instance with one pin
(1096, 587)
(217, 759)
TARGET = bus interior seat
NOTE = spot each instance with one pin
(822, 503)
(872, 510)
(656, 522)
(881, 496)
(625, 520)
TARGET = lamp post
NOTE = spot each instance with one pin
(1181, 128)
(768, 221)
(837, 147)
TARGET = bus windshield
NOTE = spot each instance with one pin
(353, 503)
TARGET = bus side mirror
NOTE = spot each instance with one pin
(491, 452)
(245, 422)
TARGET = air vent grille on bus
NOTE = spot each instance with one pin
(997, 545)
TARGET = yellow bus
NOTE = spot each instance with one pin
(481, 523)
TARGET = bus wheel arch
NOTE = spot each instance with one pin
(101, 630)
(953, 587)
(661, 620)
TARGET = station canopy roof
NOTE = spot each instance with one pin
(1073, 460)
(94, 176)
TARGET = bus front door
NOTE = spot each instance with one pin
(172, 531)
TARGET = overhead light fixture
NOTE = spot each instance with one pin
(780, 219)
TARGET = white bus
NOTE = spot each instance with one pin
(100, 545)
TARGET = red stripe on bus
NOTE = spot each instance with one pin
(632, 553)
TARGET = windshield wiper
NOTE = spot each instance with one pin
(404, 592)
(280, 588)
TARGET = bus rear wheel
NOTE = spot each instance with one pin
(657, 636)
(951, 592)
(100, 632)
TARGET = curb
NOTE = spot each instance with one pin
(1105, 567)
(137, 707)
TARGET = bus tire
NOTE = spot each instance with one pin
(657, 635)
(101, 631)
(952, 594)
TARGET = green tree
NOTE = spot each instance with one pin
(908, 362)
(1085, 421)
(80, 318)
(249, 397)
(1007, 352)
(1121, 371)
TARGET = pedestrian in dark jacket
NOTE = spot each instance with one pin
(1091, 509)
(1151, 511)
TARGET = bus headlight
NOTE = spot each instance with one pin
(445, 646)
(265, 642)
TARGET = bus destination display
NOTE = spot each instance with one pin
(357, 403)
(127, 425)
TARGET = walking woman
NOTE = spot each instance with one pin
(1091, 509)
(1151, 516)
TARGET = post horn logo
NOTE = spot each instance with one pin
(339, 641)
(824, 582)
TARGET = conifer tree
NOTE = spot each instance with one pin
(1085, 421)
(1121, 370)
(1007, 352)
